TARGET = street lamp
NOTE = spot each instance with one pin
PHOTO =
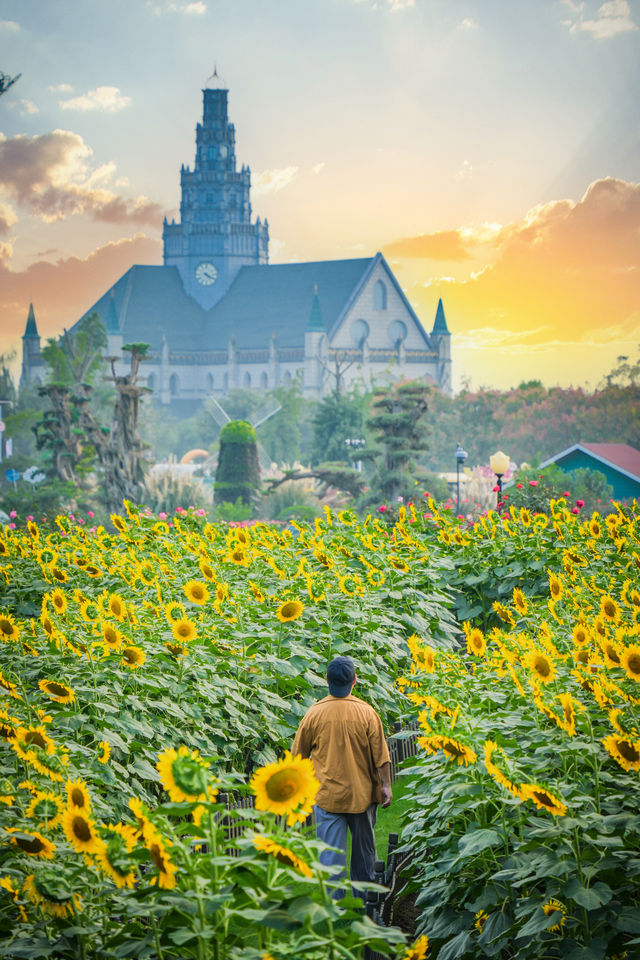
(2, 426)
(499, 463)
(354, 443)
(461, 456)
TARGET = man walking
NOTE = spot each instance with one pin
(343, 735)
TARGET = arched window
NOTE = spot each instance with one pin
(380, 296)
(210, 383)
(264, 380)
(246, 380)
(397, 332)
(174, 385)
(151, 381)
(359, 331)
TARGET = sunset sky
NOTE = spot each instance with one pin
(490, 149)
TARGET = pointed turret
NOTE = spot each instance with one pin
(316, 323)
(32, 362)
(31, 329)
(440, 322)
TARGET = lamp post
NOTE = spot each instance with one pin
(499, 463)
(461, 456)
(2, 426)
(354, 443)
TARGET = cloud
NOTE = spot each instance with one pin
(566, 273)
(467, 24)
(612, 18)
(61, 88)
(444, 245)
(9, 26)
(272, 181)
(8, 217)
(50, 177)
(26, 107)
(190, 8)
(318, 167)
(108, 99)
(62, 292)
(465, 172)
(400, 4)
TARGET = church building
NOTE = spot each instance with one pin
(218, 315)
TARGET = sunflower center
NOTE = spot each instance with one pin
(157, 857)
(283, 856)
(289, 609)
(6, 626)
(633, 663)
(542, 666)
(57, 689)
(543, 798)
(110, 635)
(35, 738)
(283, 785)
(32, 845)
(77, 797)
(628, 751)
(184, 630)
(611, 653)
(453, 749)
(81, 829)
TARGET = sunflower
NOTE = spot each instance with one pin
(541, 665)
(238, 556)
(78, 795)
(525, 517)
(286, 788)
(105, 747)
(51, 765)
(111, 636)
(184, 775)
(519, 601)
(49, 890)
(282, 854)
(8, 628)
(133, 657)
(455, 751)
(418, 950)
(58, 600)
(33, 530)
(630, 661)
(177, 649)
(624, 751)
(10, 687)
(568, 713)
(543, 799)
(146, 572)
(399, 564)
(57, 691)
(555, 586)
(116, 606)
(595, 527)
(47, 808)
(120, 524)
(256, 591)
(196, 591)
(489, 748)
(375, 577)
(609, 609)
(184, 631)
(92, 571)
(58, 574)
(174, 611)
(35, 737)
(33, 843)
(480, 919)
(118, 841)
(476, 642)
(551, 907)
(581, 634)
(504, 613)
(157, 848)
(611, 653)
(289, 610)
(350, 584)
(89, 611)
(206, 569)
(81, 831)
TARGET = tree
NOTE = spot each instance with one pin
(398, 420)
(338, 417)
(238, 472)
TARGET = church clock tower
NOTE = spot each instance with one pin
(215, 235)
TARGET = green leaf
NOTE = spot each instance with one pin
(588, 897)
(455, 947)
(478, 840)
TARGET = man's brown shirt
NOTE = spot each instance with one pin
(344, 738)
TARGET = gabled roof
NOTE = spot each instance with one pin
(149, 301)
(31, 329)
(277, 298)
(619, 456)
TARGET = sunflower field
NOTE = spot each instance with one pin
(150, 673)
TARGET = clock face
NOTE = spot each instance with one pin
(206, 274)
